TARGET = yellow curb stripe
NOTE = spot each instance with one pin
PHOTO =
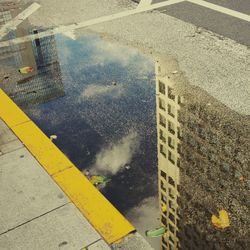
(83, 193)
(50, 157)
(106, 219)
(9, 111)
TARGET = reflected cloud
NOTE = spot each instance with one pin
(94, 90)
(92, 51)
(111, 159)
(144, 217)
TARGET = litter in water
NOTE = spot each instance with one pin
(156, 232)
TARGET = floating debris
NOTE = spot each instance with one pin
(222, 221)
(98, 179)
(163, 208)
(53, 137)
(156, 232)
(127, 167)
(25, 70)
(175, 72)
(87, 173)
(242, 178)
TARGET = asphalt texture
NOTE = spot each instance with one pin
(214, 21)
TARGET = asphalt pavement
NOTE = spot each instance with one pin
(222, 24)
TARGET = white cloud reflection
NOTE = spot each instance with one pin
(146, 216)
(94, 90)
(111, 159)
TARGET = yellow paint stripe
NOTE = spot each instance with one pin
(106, 219)
(100, 211)
(50, 157)
(9, 111)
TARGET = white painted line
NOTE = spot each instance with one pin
(221, 9)
(11, 25)
(144, 3)
(84, 24)
(70, 34)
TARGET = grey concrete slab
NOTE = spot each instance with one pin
(10, 146)
(6, 135)
(8, 141)
(132, 242)
(26, 190)
(63, 228)
(99, 245)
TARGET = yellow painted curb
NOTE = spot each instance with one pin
(106, 219)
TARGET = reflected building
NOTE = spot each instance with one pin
(44, 83)
(203, 167)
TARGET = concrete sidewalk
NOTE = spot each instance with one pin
(46, 202)
(35, 213)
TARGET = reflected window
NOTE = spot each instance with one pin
(163, 186)
(171, 228)
(163, 150)
(171, 128)
(163, 198)
(180, 99)
(171, 193)
(179, 133)
(171, 205)
(179, 148)
(171, 110)
(162, 135)
(163, 174)
(163, 221)
(171, 239)
(170, 93)
(171, 181)
(171, 217)
(171, 142)
(162, 104)
(162, 121)
(162, 88)
(171, 157)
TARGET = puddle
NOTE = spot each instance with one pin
(96, 100)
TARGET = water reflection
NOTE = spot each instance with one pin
(203, 160)
(105, 122)
(44, 82)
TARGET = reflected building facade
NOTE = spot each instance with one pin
(203, 167)
(44, 83)
(169, 136)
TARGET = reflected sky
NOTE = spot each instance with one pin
(108, 111)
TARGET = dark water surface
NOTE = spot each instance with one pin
(109, 95)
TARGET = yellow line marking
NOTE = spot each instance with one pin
(50, 157)
(106, 219)
(8, 110)
(84, 194)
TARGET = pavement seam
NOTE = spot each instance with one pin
(41, 215)
(108, 222)
(91, 244)
(13, 150)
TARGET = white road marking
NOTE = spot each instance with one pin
(68, 30)
(144, 3)
(221, 9)
(11, 25)
(84, 24)
(70, 34)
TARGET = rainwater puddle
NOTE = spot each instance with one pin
(98, 98)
